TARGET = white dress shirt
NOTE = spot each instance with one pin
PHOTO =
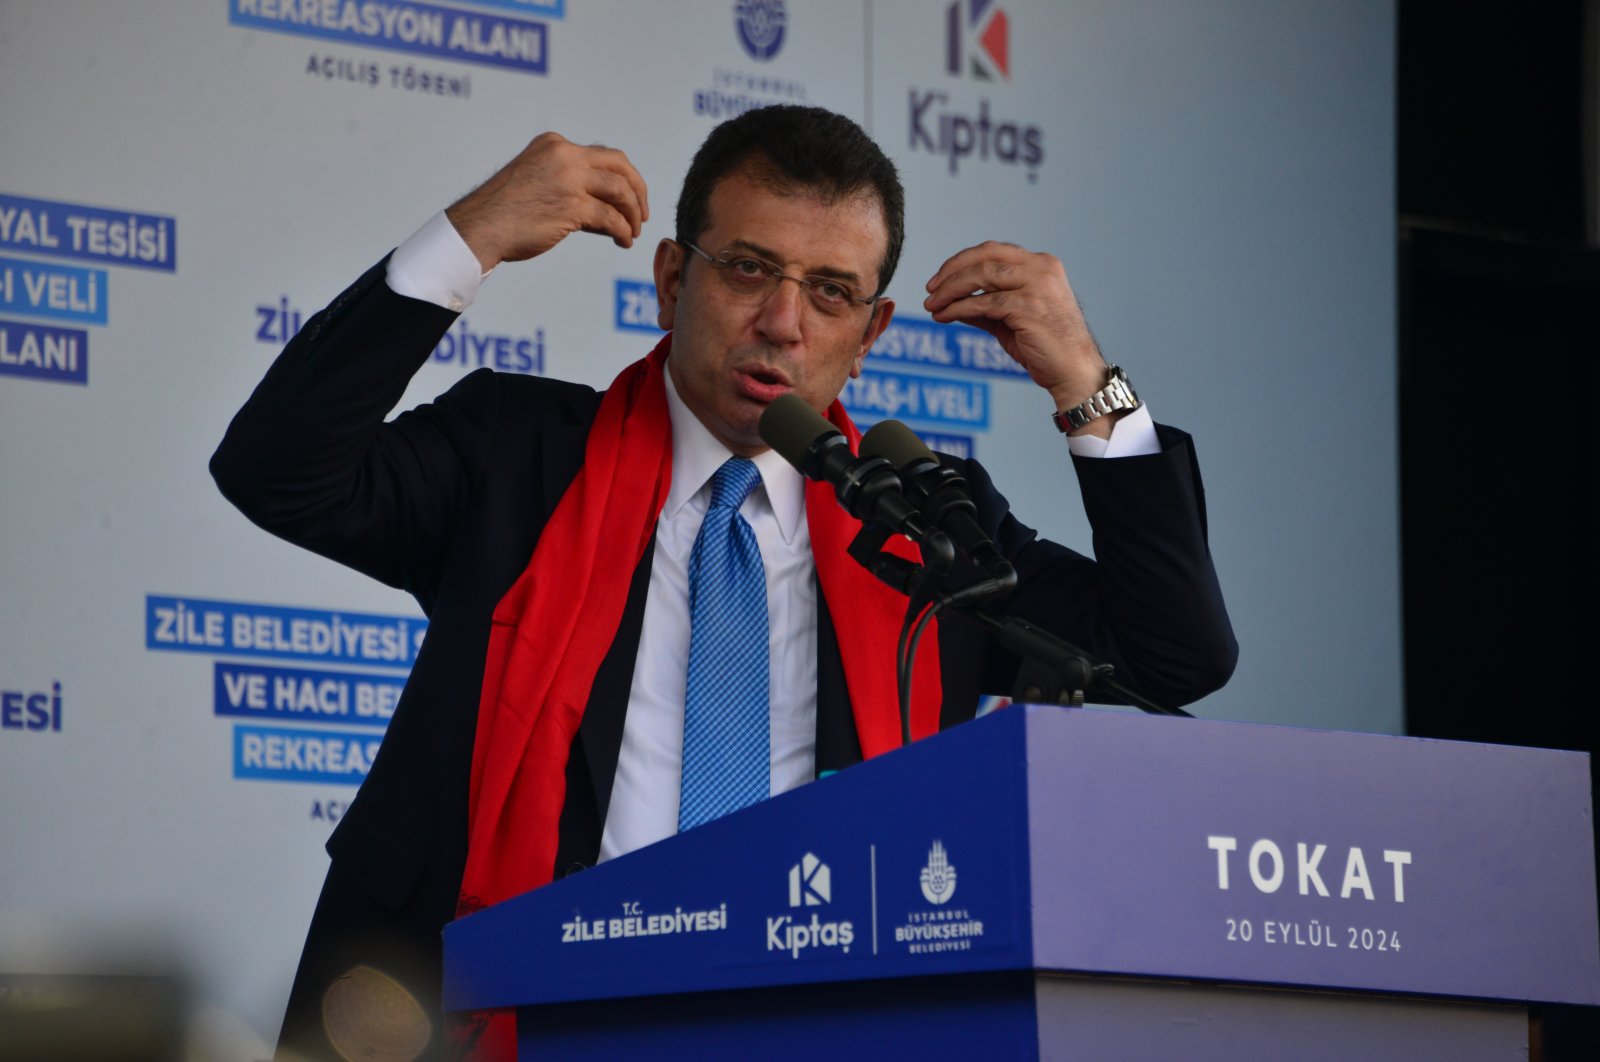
(435, 265)
(644, 796)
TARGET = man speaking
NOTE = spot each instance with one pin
(641, 617)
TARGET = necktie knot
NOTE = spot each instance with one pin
(733, 482)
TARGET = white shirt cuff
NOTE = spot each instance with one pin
(1132, 436)
(436, 265)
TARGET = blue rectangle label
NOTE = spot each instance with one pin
(636, 306)
(304, 695)
(404, 26)
(276, 754)
(235, 628)
(877, 395)
(97, 234)
(44, 352)
(48, 289)
(944, 346)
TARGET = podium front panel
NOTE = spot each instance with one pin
(1093, 842)
(1266, 854)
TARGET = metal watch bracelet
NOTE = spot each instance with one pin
(1116, 395)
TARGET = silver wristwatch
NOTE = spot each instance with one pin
(1116, 395)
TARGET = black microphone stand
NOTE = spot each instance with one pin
(920, 584)
(1053, 671)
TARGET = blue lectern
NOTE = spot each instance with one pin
(1068, 883)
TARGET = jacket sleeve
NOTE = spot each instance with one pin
(310, 458)
(1149, 602)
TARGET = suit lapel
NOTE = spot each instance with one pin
(592, 761)
(604, 717)
(838, 745)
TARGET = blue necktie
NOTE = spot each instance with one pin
(726, 735)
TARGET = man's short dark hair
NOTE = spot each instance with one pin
(792, 149)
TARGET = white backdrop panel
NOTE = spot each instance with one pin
(1216, 175)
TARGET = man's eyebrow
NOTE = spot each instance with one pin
(831, 272)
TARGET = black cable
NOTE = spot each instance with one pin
(905, 657)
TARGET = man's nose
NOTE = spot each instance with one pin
(780, 314)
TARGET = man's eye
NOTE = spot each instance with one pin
(830, 291)
(747, 269)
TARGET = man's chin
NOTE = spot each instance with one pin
(741, 433)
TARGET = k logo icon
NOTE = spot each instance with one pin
(938, 877)
(978, 40)
(809, 882)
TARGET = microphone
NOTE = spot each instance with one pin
(941, 494)
(867, 487)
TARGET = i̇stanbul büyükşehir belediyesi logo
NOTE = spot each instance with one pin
(938, 877)
(760, 24)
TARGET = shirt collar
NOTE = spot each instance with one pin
(696, 456)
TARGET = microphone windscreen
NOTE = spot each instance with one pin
(896, 443)
(790, 426)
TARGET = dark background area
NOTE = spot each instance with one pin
(1499, 309)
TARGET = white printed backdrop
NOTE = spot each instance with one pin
(187, 703)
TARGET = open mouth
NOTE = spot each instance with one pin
(763, 383)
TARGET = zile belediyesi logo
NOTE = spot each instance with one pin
(977, 40)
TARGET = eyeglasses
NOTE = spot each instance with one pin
(753, 279)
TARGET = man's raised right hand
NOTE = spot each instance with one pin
(552, 189)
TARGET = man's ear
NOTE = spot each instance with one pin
(882, 313)
(669, 274)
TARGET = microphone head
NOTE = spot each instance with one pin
(790, 427)
(895, 442)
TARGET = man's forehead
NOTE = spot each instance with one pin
(753, 207)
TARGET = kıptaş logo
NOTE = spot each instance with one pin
(977, 40)
(810, 885)
(977, 46)
(760, 24)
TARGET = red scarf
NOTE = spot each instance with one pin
(544, 651)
